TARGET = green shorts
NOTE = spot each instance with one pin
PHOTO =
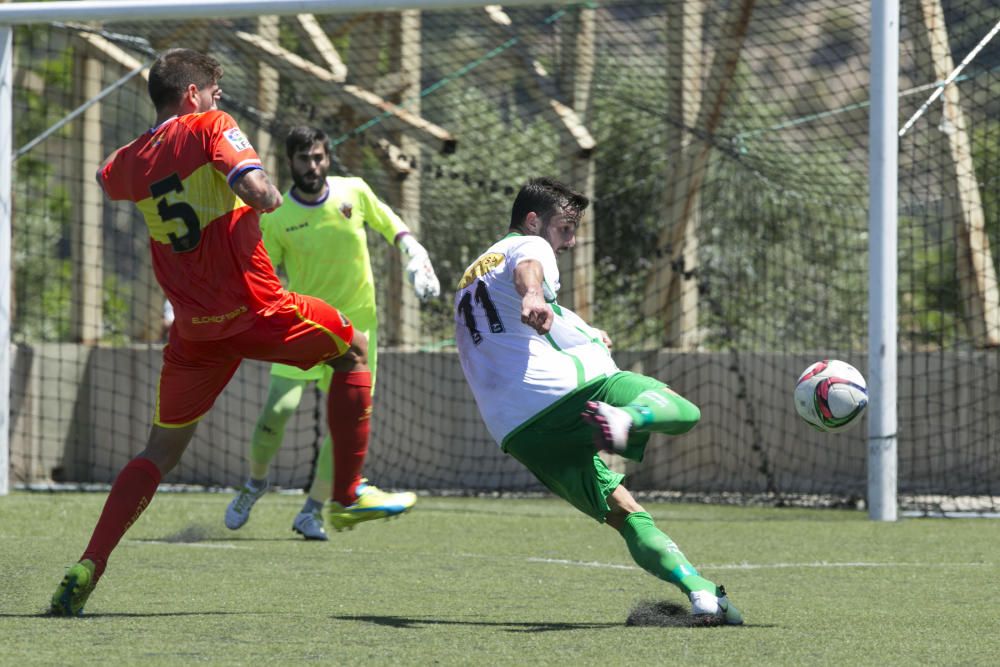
(557, 446)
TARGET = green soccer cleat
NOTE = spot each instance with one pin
(372, 503)
(73, 590)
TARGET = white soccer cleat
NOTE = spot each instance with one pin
(310, 526)
(239, 507)
(612, 424)
(715, 609)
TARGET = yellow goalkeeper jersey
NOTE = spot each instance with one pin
(324, 249)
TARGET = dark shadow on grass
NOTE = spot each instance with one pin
(513, 626)
(664, 614)
(154, 614)
(194, 533)
(170, 539)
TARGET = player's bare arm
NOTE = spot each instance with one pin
(535, 312)
(104, 164)
(256, 189)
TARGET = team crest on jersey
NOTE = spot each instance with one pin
(236, 139)
(346, 209)
(481, 267)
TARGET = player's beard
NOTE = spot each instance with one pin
(309, 186)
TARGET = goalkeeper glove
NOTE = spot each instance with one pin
(419, 271)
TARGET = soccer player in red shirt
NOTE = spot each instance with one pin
(201, 187)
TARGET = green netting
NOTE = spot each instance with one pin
(729, 172)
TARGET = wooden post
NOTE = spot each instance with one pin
(402, 310)
(362, 62)
(87, 311)
(676, 304)
(684, 29)
(321, 45)
(574, 134)
(577, 74)
(365, 103)
(267, 101)
(147, 297)
(963, 202)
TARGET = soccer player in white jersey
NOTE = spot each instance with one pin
(549, 391)
(318, 236)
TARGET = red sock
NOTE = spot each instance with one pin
(349, 412)
(130, 495)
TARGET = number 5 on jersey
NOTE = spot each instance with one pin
(178, 211)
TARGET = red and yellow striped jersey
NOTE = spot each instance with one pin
(205, 241)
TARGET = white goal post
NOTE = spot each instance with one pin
(6, 208)
(883, 178)
(883, 141)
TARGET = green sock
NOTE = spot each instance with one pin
(662, 411)
(322, 485)
(283, 397)
(657, 554)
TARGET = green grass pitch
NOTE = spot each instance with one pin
(463, 581)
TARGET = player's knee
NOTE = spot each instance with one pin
(360, 339)
(688, 414)
(166, 446)
(621, 503)
(354, 359)
(359, 347)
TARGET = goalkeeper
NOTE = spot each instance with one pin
(318, 235)
(548, 390)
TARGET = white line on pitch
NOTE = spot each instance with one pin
(706, 567)
(203, 545)
(826, 564)
(559, 561)
(753, 566)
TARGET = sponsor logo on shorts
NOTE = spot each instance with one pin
(219, 319)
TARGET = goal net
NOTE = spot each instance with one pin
(725, 146)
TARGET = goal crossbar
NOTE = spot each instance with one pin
(111, 10)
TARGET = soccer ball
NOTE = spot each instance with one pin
(830, 395)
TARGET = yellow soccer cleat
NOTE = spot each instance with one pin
(372, 503)
(73, 590)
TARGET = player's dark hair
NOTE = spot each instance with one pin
(303, 137)
(174, 70)
(546, 197)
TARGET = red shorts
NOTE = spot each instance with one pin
(304, 332)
